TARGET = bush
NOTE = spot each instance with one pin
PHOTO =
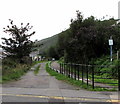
(26, 60)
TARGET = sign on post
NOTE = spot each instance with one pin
(110, 44)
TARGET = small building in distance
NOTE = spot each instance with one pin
(35, 56)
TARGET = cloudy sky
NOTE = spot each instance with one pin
(49, 17)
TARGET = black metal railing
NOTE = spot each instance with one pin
(92, 74)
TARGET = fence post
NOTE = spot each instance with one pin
(78, 71)
(69, 70)
(60, 67)
(118, 76)
(64, 68)
(75, 71)
(82, 73)
(87, 73)
(93, 76)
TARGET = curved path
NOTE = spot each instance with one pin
(45, 88)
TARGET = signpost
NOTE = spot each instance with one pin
(111, 44)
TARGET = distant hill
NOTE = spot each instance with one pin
(44, 44)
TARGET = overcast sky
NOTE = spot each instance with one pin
(49, 17)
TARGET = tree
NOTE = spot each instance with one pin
(19, 44)
(52, 52)
(87, 39)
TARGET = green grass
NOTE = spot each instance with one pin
(74, 82)
(110, 71)
(12, 70)
(106, 81)
(100, 79)
(61, 60)
(14, 73)
(37, 70)
(36, 62)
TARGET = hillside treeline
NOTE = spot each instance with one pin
(86, 39)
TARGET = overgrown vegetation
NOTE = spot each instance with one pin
(106, 71)
(16, 48)
(12, 70)
(106, 67)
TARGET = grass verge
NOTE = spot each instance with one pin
(37, 70)
(74, 82)
(110, 82)
(36, 62)
(15, 73)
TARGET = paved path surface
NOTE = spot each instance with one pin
(45, 88)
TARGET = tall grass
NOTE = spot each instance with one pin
(13, 69)
(14, 73)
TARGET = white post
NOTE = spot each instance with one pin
(117, 55)
(110, 52)
(110, 44)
